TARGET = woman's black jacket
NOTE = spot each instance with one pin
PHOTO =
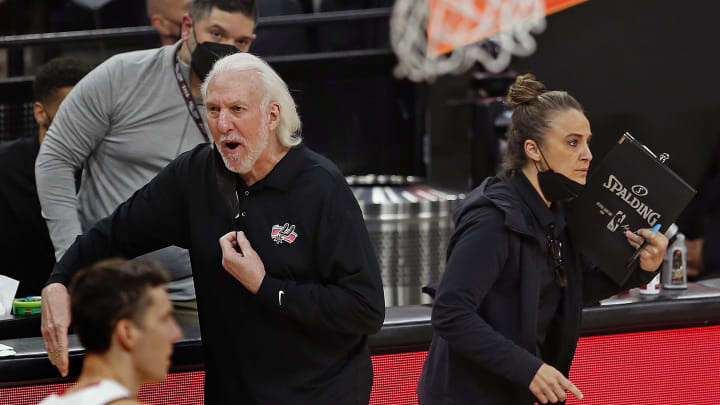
(484, 315)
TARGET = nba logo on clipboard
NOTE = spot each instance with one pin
(616, 220)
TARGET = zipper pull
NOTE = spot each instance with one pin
(237, 198)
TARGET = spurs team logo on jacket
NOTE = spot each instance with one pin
(284, 233)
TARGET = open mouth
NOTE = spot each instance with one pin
(232, 145)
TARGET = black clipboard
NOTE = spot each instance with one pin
(632, 188)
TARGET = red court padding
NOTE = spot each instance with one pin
(677, 366)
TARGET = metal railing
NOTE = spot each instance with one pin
(16, 90)
(263, 23)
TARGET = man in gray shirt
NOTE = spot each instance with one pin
(126, 120)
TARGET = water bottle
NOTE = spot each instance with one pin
(674, 267)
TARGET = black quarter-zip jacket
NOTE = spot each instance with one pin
(302, 338)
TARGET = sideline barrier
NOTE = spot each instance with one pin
(633, 350)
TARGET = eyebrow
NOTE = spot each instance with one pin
(575, 134)
(230, 103)
(219, 27)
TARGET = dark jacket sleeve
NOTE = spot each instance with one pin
(352, 301)
(154, 217)
(711, 235)
(474, 264)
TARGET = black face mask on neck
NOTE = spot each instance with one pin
(206, 54)
(555, 186)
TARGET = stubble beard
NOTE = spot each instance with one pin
(235, 163)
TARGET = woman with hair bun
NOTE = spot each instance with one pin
(507, 312)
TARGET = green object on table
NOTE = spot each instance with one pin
(27, 306)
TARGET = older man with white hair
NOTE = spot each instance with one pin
(288, 285)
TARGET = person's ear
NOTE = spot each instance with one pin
(127, 333)
(160, 24)
(531, 150)
(273, 115)
(40, 114)
(187, 26)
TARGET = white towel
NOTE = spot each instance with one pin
(6, 350)
(8, 288)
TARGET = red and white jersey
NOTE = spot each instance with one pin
(100, 393)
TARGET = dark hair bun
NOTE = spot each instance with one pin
(525, 89)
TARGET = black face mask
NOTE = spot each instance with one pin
(555, 186)
(206, 54)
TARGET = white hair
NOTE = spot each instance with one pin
(288, 131)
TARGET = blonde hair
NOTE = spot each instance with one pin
(532, 106)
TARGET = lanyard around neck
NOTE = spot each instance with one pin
(189, 102)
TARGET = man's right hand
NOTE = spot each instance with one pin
(549, 385)
(55, 321)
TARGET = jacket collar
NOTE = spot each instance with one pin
(513, 194)
(280, 177)
(549, 218)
